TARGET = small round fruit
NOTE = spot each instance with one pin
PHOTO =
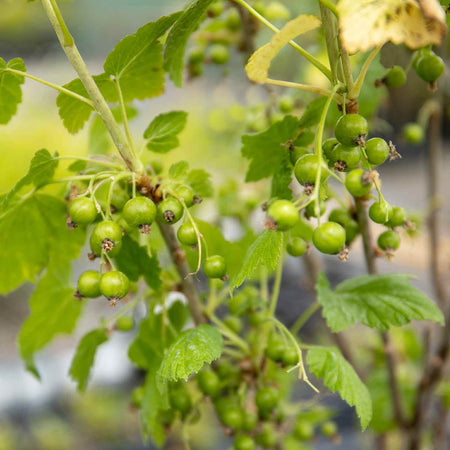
(233, 20)
(377, 151)
(413, 133)
(350, 129)
(186, 193)
(329, 428)
(296, 247)
(418, 54)
(137, 396)
(289, 357)
(186, 234)
(180, 400)
(395, 77)
(124, 323)
(227, 371)
(166, 416)
(139, 211)
(215, 9)
(107, 237)
(219, 54)
(277, 11)
(328, 146)
(310, 209)
(170, 211)
(232, 416)
(209, 383)
(114, 284)
(275, 347)
(389, 240)
(304, 430)
(250, 421)
(356, 183)
(398, 217)
(82, 211)
(243, 442)
(233, 323)
(298, 152)
(89, 284)
(380, 212)
(344, 158)
(196, 55)
(256, 318)
(430, 67)
(306, 168)
(267, 438)
(284, 214)
(329, 238)
(266, 399)
(215, 267)
(286, 104)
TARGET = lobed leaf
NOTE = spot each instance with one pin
(10, 88)
(163, 131)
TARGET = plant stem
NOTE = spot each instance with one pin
(68, 39)
(330, 6)
(123, 112)
(362, 75)
(100, 162)
(230, 334)
(304, 87)
(187, 282)
(100, 104)
(293, 44)
(304, 317)
(276, 289)
(330, 30)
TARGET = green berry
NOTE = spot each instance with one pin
(170, 211)
(397, 218)
(233, 19)
(275, 347)
(215, 267)
(196, 55)
(328, 146)
(89, 284)
(139, 211)
(137, 396)
(230, 414)
(209, 383)
(233, 323)
(380, 212)
(310, 209)
(377, 151)
(418, 54)
(329, 238)
(243, 442)
(306, 168)
(82, 211)
(266, 399)
(216, 8)
(219, 54)
(186, 234)
(114, 284)
(343, 217)
(250, 421)
(344, 158)
(277, 11)
(413, 133)
(296, 247)
(304, 430)
(284, 214)
(329, 429)
(124, 323)
(389, 240)
(107, 237)
(395, 77)
(429, 67)
(286, 104)
(350, 129)
(289, 357)
(267, 438)
(180, 400)
(357, 184)
(255, 319)
(166, 416)
(186, 193)
(226, 370)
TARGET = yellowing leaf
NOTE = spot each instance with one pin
(365, 24)
(258, 65)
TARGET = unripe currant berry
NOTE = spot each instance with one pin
(170, 211)
(351, 129)
(196, 55)
(343, 217)
(344, 158)
(107, 237)
(233, 323)
(215, 267)
(306, 168)
(298, 152)
(82, 211)
(284, 214)
(380, 212)
(185, 193)
(250, 421)
(357, 183)
(429, 67)
(180, 400)
(209, 383)
(137, 396)
(289, 357)
(114, 284)
(243, 442)
(286, 104)
(329, 238)
(275, 347)
(124, 323)
(233, 19)
(377, 151)
(310, 210)
(389, 240)
(296, 246)
(413, 133)
(304, 430)
(89, 284)
(219, 54)
(139, 212)
(216, 8)
(395, 77)
(266, 399)
(397, 217)
(328, 146)
(329, 429)
(186, 234)
(267, 438)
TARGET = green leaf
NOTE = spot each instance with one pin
(338, 375)
(137, 61)
(304, 139)
(10, 88)
(32, 233)
(179, 169)
(75, 113)
(83, 360)
(282, 179)
(163, 131)
(266, 251)
(312, 114)
(377, 301)
(188, 354)
(134, 261)
(200, 182)
(265, 149)
(54, 310)
(178, 37)
(41, 171)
